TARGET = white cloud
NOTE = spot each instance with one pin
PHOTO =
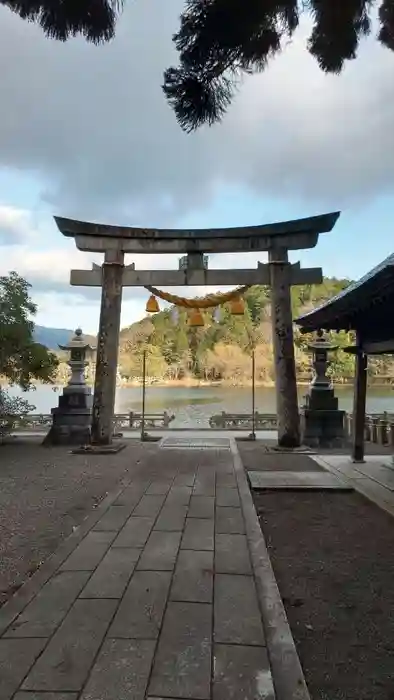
(64, 310)
(16, 226)
(94, 125)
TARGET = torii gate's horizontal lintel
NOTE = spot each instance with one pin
(309, 227)
(176, 246)
(195, 278)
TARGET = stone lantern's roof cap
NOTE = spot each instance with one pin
(321, 342)
(78, 341)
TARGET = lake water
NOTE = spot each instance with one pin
(193, 406)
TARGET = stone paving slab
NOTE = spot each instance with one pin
(179, 495)
(204, 484)
(226, 480)
(45, 696)
(297, 480)
(160, 551)
(90, 552)
(383, 475)
(184, 480)
(237, 616)
(158, 600)
(202, 507)
(66, 661)
(227, 497)
(242, 672)
(159, 488)
(112, 574)
(198, 534)
(16, 658)
(46, 611)
(182, 666)
(232, 554)
(149, 506)
(135, 532)
(141, 610)
(193, 578)
(114, 518)
(172, 518)
(132, 494)
(229, 521)
(188, 443)
(121, 670)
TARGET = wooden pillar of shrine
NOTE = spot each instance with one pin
(359, 403)
(107, 348)
(283, 344)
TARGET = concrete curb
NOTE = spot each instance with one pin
(16, 604)
(358, 484)
(288, 676)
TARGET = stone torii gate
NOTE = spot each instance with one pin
(279, 274)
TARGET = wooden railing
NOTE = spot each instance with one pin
(151, 420)
(41, 422)
(378, 428)
(242, 421)
(132, 421)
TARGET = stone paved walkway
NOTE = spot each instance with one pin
(156, 599)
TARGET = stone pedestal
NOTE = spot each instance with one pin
(322, 423)
(71, 419)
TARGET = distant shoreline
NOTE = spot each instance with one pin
(200, 383)
(169, 383)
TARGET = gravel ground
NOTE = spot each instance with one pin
(45, 492)
(333, 559)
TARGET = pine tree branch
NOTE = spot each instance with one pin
(386, 16)
(95, 20)
(218, 40)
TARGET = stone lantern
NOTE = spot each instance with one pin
(320, 348)
(71, 419)
(323, 424)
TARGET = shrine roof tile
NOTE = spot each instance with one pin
(343, 311)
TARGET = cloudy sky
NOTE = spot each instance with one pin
(85, 132)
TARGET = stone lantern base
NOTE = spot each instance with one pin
(71, 420)
(322, 423)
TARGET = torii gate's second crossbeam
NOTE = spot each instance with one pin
(195, 276)
(279, 274)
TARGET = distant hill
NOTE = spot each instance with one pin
(53, 337)
(221, 350)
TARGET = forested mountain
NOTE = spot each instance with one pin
(222, 350)
(53, 337)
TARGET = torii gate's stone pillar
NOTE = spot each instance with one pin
(283, 343)
(107, 348)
